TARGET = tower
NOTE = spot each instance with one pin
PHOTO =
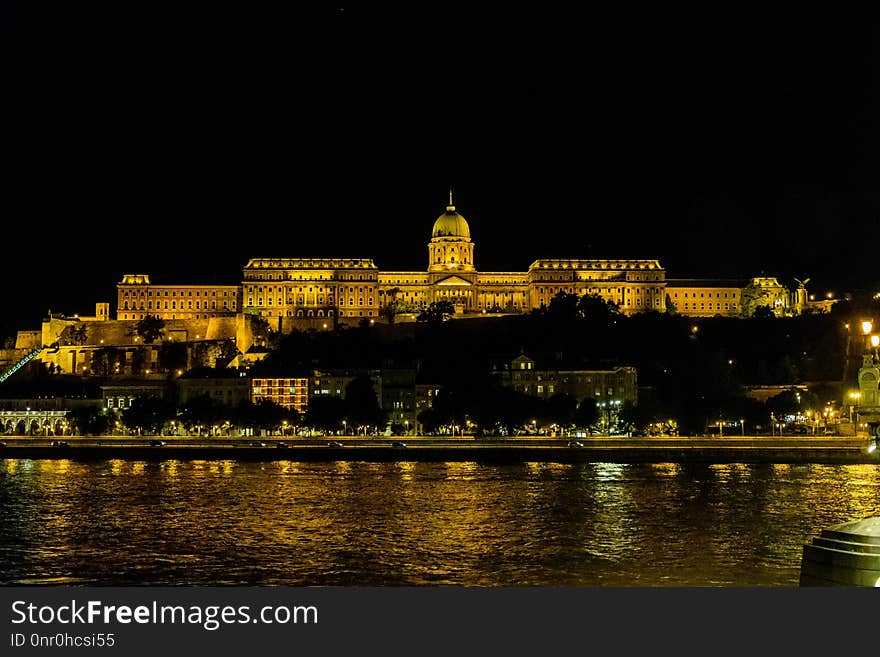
(451, 249)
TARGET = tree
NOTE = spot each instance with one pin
(450, 405)
(172, 356)
(148, 414)
(140, 358)
(763, 312)
(437, 312)
(264, 415)
(74, 335)
(107, 361)
(792, 402)
(260, 330)
(325, 412)
(90, 420)
(587, 414)
(597, 309)
(671, 308)
(201, 411)
(430, 420)
(561, 409)
(150, 328)
(389, 310)
(362, 406)
(632, 416)
(563, 307)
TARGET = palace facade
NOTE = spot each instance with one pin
(284, 290)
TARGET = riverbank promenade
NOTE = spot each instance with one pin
(734, 449)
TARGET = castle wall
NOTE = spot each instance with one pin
(28, 340)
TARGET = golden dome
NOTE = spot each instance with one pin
(450, 223)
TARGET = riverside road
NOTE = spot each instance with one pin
(733, 449)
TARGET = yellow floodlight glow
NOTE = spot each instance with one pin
(867, 326)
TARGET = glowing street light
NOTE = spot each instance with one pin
(867, 326)
(875, 341)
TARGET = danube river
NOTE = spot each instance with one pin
(121, 522)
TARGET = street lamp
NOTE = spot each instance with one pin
(742, 427)
(867, 326)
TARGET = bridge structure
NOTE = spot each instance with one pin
(34, 423)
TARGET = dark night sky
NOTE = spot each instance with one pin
(142, 137)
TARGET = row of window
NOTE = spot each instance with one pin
(340, 290)
(717, 306)
(320, 277)
(165, 316)
(317, 313)
(598, 290)
(539, 389)
(299, 301)
(718, 295)
(183, 293)
(174, 305)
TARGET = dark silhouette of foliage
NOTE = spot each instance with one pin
(437, 312)
(362, 406)
(326, 412)
(150, 328)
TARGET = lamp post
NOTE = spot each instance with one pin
(742, 428)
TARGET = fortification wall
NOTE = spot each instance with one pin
(9, 357)
(28, 340)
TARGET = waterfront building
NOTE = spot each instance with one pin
(335, 382)
(611, 387)
(120, 395)
(398, 390)
(223, 386)
(286, 392)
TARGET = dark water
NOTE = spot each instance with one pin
(207, 522)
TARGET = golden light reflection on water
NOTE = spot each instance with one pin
(417, 523)
(666, 469)
(460, 469)
(610, 470)
(406, 470)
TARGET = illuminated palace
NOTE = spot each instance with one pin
(288, 290)
(296, 292)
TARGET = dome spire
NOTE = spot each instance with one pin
(450, 207)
